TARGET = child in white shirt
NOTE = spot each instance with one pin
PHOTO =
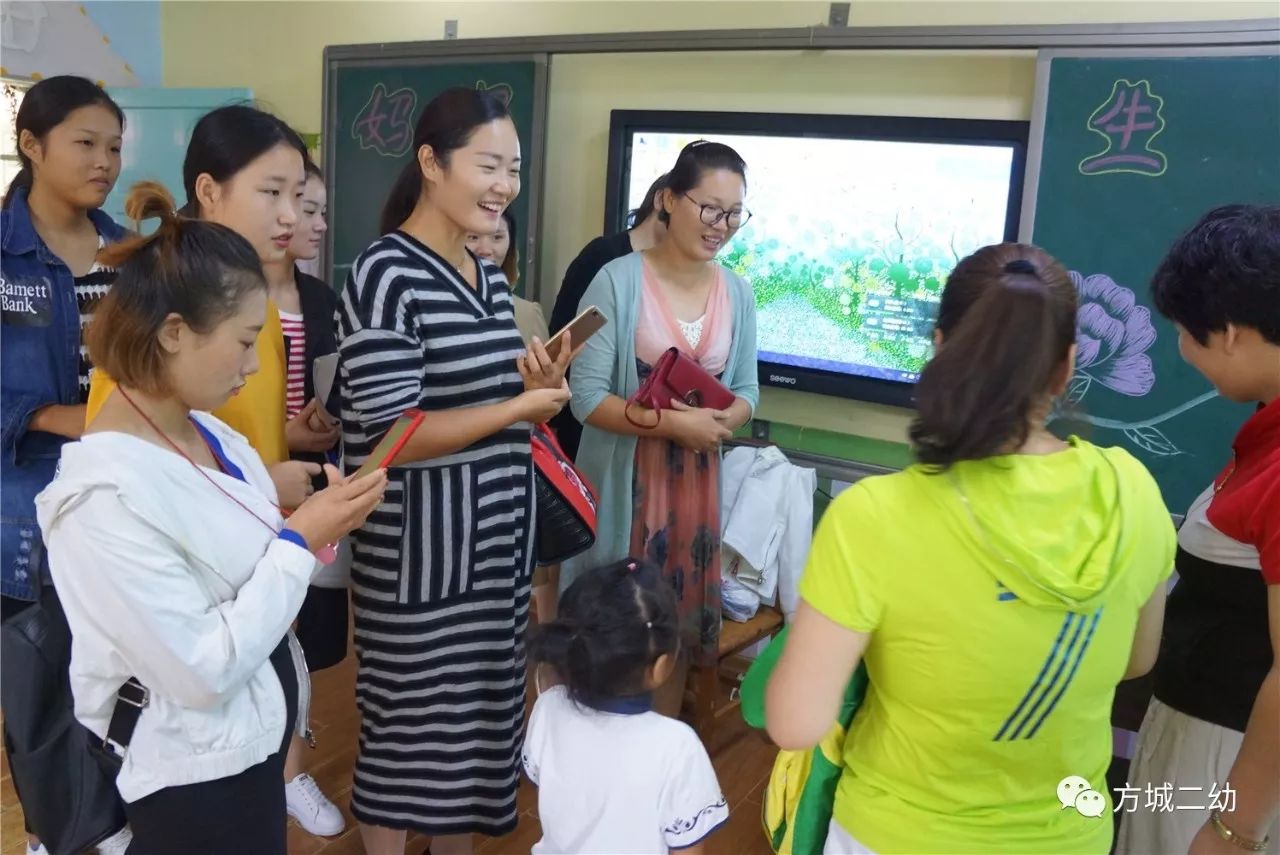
(612, 775)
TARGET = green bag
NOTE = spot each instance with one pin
(802, 786)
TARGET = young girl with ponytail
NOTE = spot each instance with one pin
(612, 774)
(998, 591)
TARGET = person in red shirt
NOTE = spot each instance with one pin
(1213, 727)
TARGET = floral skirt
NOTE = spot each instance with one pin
(675, 524)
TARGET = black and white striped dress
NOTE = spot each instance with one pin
(440, 578)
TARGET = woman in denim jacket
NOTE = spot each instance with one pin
(68, 134)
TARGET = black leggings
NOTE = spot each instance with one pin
(12, 607)
(241, 814)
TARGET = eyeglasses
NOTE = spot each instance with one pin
(713, 214)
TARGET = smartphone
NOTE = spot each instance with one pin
(588, 323)
(391, 443)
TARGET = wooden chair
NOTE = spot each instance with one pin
(704, 690)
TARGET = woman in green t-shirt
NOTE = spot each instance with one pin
(998, 590)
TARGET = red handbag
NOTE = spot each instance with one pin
(566, 501)
(677, 377)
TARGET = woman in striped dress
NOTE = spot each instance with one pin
(440, 577)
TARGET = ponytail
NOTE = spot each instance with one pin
(560, 646)
(197, 270)
(147, 200)
(21, 181)
(402, 198)
(614, 622)
(649, 206)
(446, 125)
(1007, 322)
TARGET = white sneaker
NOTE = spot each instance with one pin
(315, 813)
(36, 850)
(117, 843)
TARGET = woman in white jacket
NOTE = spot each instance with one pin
(170, 555)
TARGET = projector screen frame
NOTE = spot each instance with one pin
(623, 124)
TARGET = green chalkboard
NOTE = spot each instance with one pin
(373, 108)
(1134, 151)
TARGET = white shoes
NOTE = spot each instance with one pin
(313, 811)
(117, 843)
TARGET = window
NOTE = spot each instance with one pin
(11, 92)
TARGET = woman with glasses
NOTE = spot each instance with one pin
(660, 486)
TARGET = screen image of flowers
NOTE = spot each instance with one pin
(850, 241)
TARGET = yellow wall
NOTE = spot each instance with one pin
(277, 48)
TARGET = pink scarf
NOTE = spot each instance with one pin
(658, 329)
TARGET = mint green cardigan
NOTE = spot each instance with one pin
(607, 366)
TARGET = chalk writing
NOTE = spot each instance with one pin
(1130, 121)
(385, 122)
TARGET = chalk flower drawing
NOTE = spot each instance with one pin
(1113, 335)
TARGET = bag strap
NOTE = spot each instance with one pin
(626, 411)
(131, 699)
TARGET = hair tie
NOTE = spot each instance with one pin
(1021, 266)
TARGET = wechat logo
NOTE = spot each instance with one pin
(1075, 792)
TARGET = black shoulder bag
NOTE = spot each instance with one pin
(64, 774)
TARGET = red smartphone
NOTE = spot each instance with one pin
(389, 446)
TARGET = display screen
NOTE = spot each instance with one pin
(850, 242)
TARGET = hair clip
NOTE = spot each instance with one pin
(631, 567)
(1021, 265)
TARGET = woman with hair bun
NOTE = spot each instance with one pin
(998, 590)
(170, 554)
